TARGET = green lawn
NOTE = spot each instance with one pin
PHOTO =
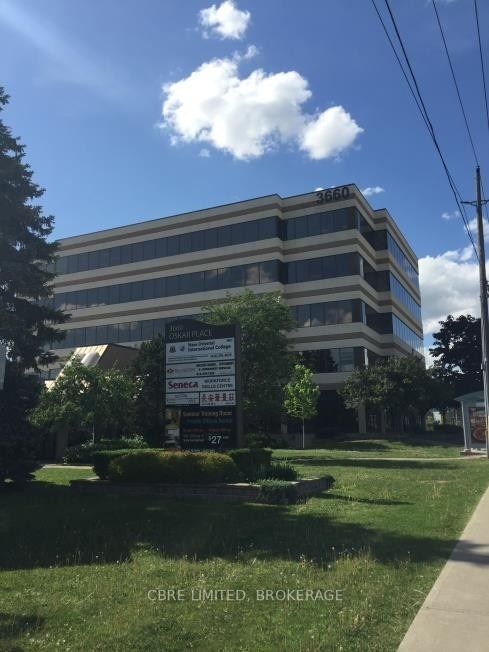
(76, 570)
(357, 446)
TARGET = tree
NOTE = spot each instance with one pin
(18, 438)
(27, 321)
(400, 385)
(88, 401)
(149, 369)
(301, 396)
(26, 318)
(266, 362)
(457, 353)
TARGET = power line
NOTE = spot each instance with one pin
(482, 60)
(455, 81)
(416, 93)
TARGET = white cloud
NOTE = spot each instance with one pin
(372, 190)
(226, 20)
(450, 216)
(250, 116)
(329, 133)
(449, 286)
(473, 228)
(204, 152)
(318, 189)
(251, 51)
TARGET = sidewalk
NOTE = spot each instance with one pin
(455, 614)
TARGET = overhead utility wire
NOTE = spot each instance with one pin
(455, 81)
(424, 114)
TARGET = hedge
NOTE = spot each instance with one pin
(172, 467)
(252, 462)
(278, 492)
(83, 453)
(102, 459)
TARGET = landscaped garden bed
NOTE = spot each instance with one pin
(246, 474)
(240, 491)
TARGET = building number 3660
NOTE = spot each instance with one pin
(333, 194)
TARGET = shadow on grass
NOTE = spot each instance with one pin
(14, 625)
(52, 525)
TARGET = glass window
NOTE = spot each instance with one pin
(148, 289)
(103, 296)
(210, 239)
(269, 271)
(101, 335)
(94, 260)
(159, 287)
(72, 264)
(327, 222)
(347, 362)
(172, 245)
(159, 327)
(197, 241)
(185, 243)
(125, 332)
(224, 277)
(114, 294)
(314, 224)
(147, 329)
(345, 312)
(161, 248)
(252, 274)
(137, 290)
(125, 292)
(149, 250)
(90, 335)
(82, 262)
(303, 316)
(237, 276)
(62, 265)
(301, 227)
(126, 254)
(135, 331)
(290, 229)
(79, 337)
(92, 297)
(315, 271)
(268, 228)
(115, 256)
(210, 280)
(172, 286)
(104, 257)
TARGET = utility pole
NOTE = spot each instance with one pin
(483, 298)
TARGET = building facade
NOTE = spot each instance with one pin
(346, 270)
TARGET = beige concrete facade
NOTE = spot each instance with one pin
(347, 241)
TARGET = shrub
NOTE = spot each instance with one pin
(83, 453)
(171, 466)
(253, 463)
(281, 471)
(448, 428)
(102, 459)
(278, 492)
(257, 440)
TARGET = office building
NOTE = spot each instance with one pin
(347, 272)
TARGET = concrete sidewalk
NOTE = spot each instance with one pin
(455, 614)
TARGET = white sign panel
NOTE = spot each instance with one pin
(211, 384)
(217, 398)
(201, 369)
(185, 398)
(200, 351)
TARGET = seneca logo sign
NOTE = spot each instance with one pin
(184, 384)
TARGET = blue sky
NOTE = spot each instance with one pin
(88, 81)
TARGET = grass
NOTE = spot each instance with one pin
(76, 570)
(357, 446)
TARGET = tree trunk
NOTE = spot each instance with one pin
(303, 435)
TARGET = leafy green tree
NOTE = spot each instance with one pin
(301, 396)
(26, 318)
(149, 369)
(457, 354)
(266, 361)
(400, 385)
(87, 401)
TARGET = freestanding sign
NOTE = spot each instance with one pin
(202, 384)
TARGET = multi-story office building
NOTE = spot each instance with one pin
(345, 269)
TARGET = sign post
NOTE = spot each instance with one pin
(202, 384)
